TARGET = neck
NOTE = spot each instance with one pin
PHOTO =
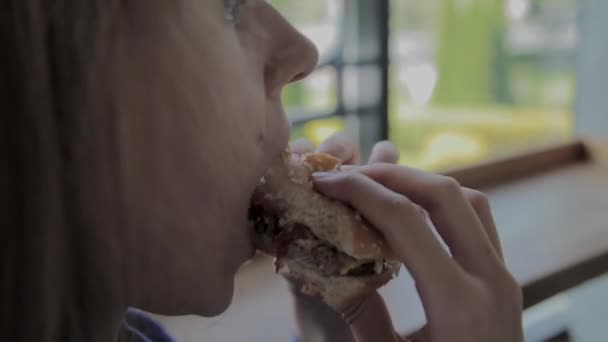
(52, 296)
(95, 294)
(94, 303)
(95, 315)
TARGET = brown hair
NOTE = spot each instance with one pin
(57, 163)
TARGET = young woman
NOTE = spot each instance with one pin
(133, 134)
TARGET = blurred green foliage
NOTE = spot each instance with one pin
(485, 103)
(441, 138)
(421, 16)
(301, 12)
(468, 52)
(318, 130)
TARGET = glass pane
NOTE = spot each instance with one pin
(319, 130)
(319, 20)
(360, 88)
(578, 314)
(315, 94)
(316, 19)
(360, 41)
(477, 79)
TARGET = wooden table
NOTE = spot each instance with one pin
(551, 209)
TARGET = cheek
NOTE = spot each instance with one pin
(260, 116)
(275, 134)
(262, 135)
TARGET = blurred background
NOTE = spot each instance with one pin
(451, 82)
(456, 82)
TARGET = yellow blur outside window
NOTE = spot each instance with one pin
(319, 20)
(477, 79)
(469, 80)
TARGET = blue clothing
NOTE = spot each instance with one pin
(139, 327)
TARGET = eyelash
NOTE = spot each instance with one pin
(231, 9)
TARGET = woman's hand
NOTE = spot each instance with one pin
(468, 296)
(315, 319)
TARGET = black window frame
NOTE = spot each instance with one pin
(362, 21)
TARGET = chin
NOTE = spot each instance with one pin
(216, 298)
(220, 304)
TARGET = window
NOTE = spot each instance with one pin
(313, 104)
(450, 82)
(476, 79)
(348, 91)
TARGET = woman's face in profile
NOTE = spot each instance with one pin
(198, 88)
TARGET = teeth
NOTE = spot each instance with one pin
(379, 266)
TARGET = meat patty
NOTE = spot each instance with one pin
(297, 241)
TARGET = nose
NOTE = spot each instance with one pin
(292, 58)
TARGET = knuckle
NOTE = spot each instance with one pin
(400, 209)
(478, 199)
(448, 184)
(446, 188)
(382, 168)
(349, 179)
(508, 288)
(401, 204)
(378, 171)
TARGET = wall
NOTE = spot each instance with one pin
(592, 89)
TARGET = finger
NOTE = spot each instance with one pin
(314, 317)
(481, 205)
(347, 168)
(420, 335)
(450, 211)
(301, 146)
(370, 320)
(400, 221)
(341, 146)
(384, 152)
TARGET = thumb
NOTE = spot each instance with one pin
(370, 321)
(341, 146)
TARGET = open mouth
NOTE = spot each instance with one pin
(281, 238)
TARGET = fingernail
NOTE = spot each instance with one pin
(322, 175)
(347, 168)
